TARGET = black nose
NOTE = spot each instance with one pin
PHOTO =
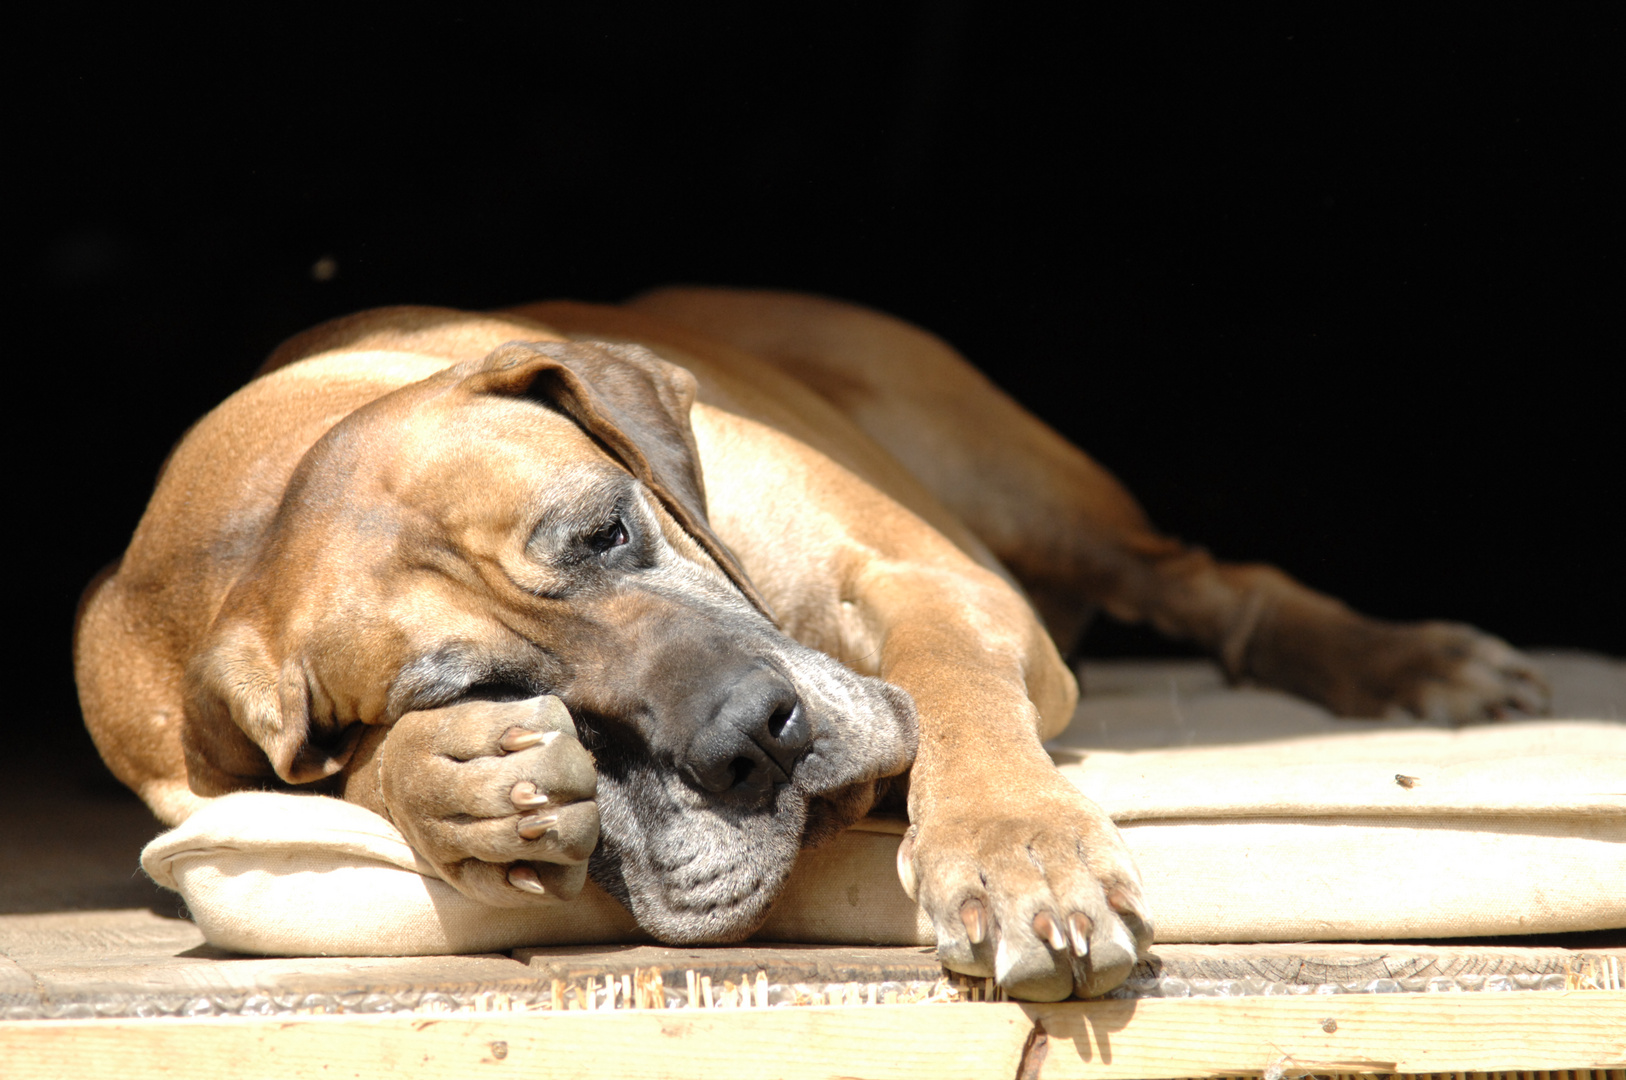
(753, 740)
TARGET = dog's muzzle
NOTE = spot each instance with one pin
(757, 732)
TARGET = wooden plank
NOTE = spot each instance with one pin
(273, 985)
(135, 963)
(783, 963)
(1300, 963)
(1349, 966)
(1313, 964)
(120, 934)
(1108, 1040)
(1337, 1034)
(123, 963)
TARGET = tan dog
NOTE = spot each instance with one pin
(762, 546)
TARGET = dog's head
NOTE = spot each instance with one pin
(530, 523)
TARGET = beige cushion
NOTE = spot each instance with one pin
(306, 875)
(1290, 830)
(1504, 830)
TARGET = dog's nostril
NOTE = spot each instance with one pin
(789, 733)
(753, 740)
(781, 716)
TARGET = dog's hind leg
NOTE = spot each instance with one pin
(1074, 536)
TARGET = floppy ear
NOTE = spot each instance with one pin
(243, 709)
(636, 406)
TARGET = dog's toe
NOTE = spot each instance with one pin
(1110, 954)
(1047, 903)
(1460, 675)
(498, 796)
(520, 884)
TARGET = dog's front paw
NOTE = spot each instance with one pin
(497, 795)
(1047, 900)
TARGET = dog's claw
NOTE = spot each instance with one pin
(1530, 694)
(516, 739)
(525, 796)
(1078, 928)
(906, 865)
(1048, 930)
(1131, 911)
(975, 920)
(525, 879)
(532, 826)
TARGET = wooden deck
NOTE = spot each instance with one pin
(131, 992)
(100, 972)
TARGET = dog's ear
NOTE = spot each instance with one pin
(636, 406)
(244, 709)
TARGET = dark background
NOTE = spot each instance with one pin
(1335, 288)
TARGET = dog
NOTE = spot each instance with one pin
(784, 561)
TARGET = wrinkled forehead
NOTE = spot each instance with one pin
(498, 441)
(453, 458)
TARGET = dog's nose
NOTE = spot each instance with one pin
(754, 739)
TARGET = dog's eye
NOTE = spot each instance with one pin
(610, 536)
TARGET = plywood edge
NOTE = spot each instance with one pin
(1149, 1039)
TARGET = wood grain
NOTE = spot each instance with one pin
(1100, 1040)
(1312, 963)
(135, 963)
(783, 963)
